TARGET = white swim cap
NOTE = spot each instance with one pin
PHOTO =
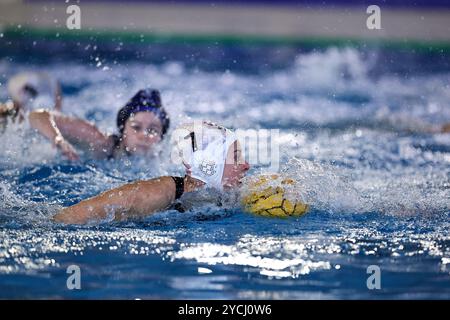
(33, 90)
(203, 146)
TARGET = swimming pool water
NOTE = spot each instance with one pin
(351, 130)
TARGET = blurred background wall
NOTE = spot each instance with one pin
(401, 20)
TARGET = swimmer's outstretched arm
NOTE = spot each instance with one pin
(134, 200)
(64, 130)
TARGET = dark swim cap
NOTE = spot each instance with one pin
(148, 100)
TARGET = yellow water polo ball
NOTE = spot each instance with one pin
(263, 199)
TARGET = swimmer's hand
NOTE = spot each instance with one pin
(3, 110)
(66, 149)
(6, 108)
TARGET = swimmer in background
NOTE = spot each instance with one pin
(24, 89)
(142, 123)
(212, 158)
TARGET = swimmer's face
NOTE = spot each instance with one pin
(141, 132)
(235, 167)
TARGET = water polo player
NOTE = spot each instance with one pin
(28, 91)
(212, 156)
(141, 123)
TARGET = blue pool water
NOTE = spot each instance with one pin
(351, 123)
